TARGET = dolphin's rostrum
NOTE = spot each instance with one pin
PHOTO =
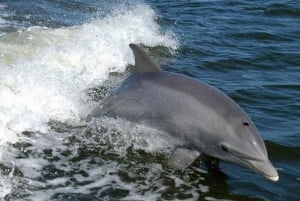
(201, 117)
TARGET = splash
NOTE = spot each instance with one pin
(44, 72)
(44, 75)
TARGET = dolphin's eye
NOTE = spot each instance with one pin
(224, 148)
(246, 123)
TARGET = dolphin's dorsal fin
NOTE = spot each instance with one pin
(143, 62)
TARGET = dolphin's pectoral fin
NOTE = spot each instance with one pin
(182, 158)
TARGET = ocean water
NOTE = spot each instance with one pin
(59, 58)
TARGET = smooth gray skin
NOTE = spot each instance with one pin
(201, 117)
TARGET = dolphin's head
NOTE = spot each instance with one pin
(243, 145)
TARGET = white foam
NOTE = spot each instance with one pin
(214, 199)
(114, 137)
(5, 186)
(44, 72)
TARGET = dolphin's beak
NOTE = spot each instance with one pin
(262, 166)
(266, 169)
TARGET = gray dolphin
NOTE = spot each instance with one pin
(201, 117)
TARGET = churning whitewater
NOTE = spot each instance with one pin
(45, 74)
(45, 71)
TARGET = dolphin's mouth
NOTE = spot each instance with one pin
(272, 178)
(264, 168)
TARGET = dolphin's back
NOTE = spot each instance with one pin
(168, 101)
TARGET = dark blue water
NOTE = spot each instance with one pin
(248, 49)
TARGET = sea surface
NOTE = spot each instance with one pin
(58, 58)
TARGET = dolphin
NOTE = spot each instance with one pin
(199, 116)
